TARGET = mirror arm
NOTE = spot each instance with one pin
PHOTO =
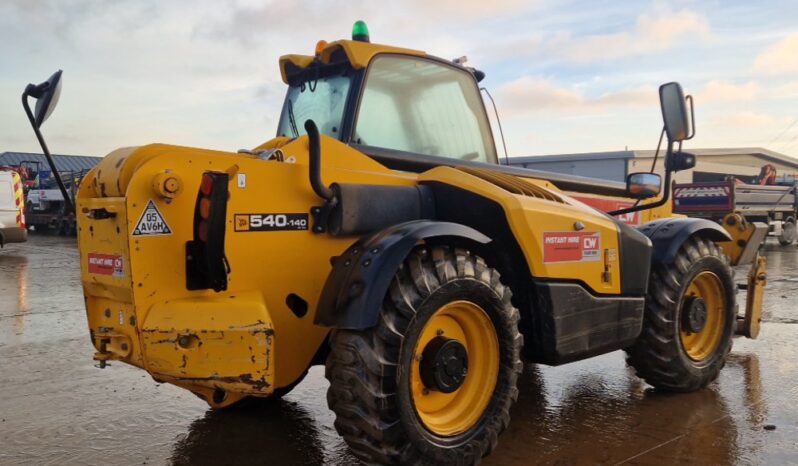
(67, 201)
(689, 100)
(665, 197)
(34, 90)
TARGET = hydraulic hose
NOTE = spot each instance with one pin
(314, 150)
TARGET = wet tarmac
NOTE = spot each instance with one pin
(58, 408)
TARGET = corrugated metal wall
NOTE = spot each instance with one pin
(612, 169)
(62, 162)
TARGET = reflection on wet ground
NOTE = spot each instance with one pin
(58, 408)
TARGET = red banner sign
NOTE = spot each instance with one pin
(571, 246)
(106, 264)
(608, 205)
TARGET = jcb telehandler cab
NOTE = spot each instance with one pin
(378, 235)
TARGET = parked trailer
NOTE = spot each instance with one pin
(44, 204)
(771, 204)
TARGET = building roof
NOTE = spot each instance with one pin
(62, 162)
(739, 153)
(621, 154)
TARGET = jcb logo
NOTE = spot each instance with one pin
(242, 222)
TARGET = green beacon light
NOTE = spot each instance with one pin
(360, 32)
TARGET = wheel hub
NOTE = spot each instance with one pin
(458, 336)
(444, 364)
(695, 315)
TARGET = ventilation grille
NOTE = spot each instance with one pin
(512, 184)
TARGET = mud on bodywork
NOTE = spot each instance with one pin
(224, 344)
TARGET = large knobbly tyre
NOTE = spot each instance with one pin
(433, 381)
(689, 319)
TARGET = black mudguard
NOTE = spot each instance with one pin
(668, 235)
(360, 277)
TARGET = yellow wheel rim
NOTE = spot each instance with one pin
(701, 345)
(449, 414)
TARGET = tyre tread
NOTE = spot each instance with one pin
(363, 364)
(656, 355)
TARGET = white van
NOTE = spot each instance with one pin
(12, 204)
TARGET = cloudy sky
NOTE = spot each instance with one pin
(568, 76)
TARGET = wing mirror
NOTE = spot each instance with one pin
(678, 123)
(679, 126)
(643, 185)
(46, 95)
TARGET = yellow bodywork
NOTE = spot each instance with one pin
(743, 249)
(245, 340)
(358, 53)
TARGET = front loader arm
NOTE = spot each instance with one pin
(747, 237)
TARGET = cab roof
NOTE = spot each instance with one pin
(357, 54)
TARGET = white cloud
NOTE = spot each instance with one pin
(724, 91)
(651, 34)
(745, 120)
(468, 9)
(204, 73)
(779, 58)
(527, 95)
(786, 90)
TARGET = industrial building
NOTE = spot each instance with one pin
(712, 164)
(64, 163)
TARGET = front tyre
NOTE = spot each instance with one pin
(433, 381)
(689, 319)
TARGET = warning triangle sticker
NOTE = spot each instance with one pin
(151, 223)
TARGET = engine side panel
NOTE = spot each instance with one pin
(560, 240)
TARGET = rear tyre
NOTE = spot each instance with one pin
(689, 319)
(433, 381)
(788, 233)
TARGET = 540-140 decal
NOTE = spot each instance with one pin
(270, 222)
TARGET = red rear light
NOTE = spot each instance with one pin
(206, 187)
(206, 265)
(205, 208)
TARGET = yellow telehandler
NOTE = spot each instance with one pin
(378, 234)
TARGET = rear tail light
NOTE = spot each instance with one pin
(205, 208)
(206, 264)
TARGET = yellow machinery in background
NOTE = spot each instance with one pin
(378, 234)
(743, 249)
